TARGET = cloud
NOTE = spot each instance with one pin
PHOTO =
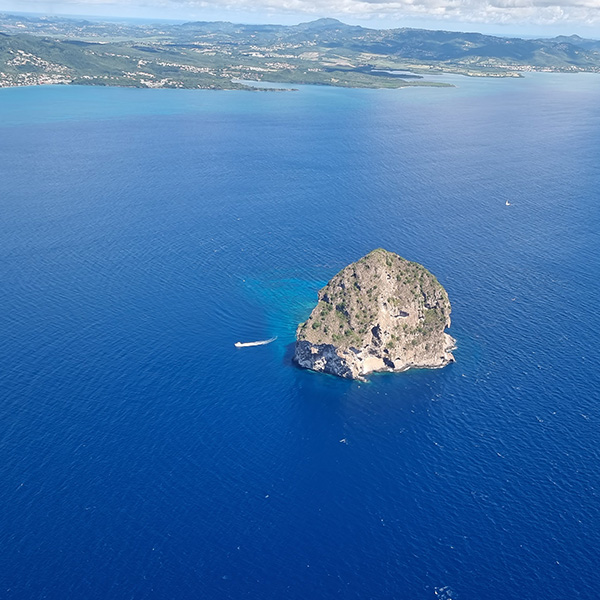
(538, 12)
(474, 11)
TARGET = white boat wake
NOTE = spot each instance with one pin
(259, 343)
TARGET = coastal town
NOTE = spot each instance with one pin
(47, 51)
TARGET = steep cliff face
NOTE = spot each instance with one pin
(381, 313)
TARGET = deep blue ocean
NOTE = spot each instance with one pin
(143, 232)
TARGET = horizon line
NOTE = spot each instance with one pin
(181, 21)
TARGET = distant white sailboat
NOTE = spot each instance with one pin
(259, 343)
(507, 203)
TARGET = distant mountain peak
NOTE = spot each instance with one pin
(322, 23)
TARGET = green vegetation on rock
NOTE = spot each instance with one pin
(382, 312)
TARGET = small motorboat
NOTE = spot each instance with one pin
(259, 343)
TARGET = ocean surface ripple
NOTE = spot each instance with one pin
(143, 232)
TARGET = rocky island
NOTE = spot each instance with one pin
(381, 313)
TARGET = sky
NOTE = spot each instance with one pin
(502, 17)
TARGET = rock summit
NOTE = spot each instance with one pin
(381, 313)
